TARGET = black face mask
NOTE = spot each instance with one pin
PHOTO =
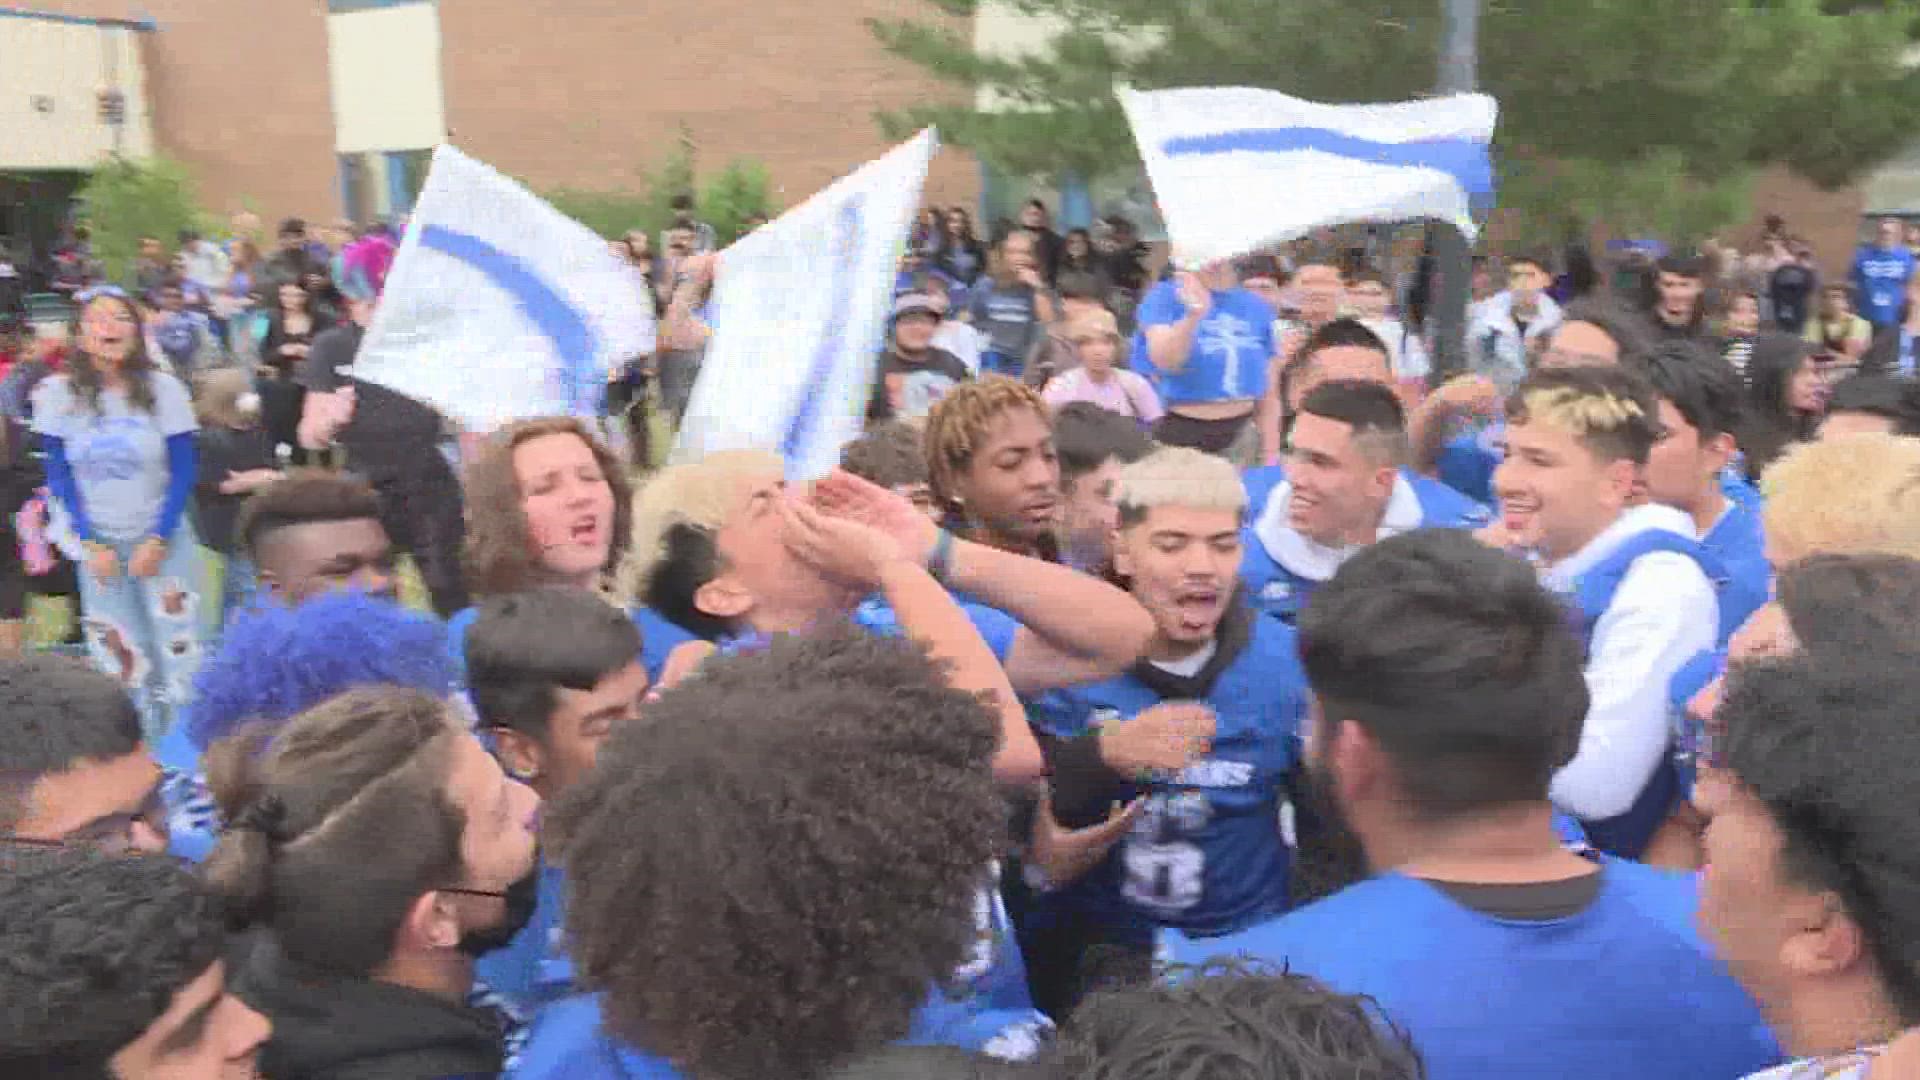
(519, 899)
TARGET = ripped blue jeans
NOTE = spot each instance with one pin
(148, 632)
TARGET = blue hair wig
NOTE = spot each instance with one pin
(276, 661)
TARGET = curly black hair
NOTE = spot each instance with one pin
(1233, 1022)
(92, 950)
(770, 872)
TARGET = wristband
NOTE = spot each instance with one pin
(940, 559)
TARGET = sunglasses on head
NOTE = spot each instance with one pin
(95, 292)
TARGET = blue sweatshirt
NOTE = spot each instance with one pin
(1880, 283)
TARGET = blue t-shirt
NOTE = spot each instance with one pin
(118, 455)
(568, 1042)
(1207, 854)
(533, 969)
(1622, 990)
(1232, 346)
(1740, 545)
(1880, 280)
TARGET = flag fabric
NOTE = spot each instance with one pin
(499, 307)
(1236, 169)
(799, 315)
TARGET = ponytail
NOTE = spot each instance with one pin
(240, 870)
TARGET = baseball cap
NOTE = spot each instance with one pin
(914, 303)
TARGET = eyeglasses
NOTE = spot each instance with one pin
(112, 835)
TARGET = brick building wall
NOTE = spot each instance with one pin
(589, 93)
(239, 95)
(1829, 220)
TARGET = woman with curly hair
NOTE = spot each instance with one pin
(548, 505)
(118, 434)
(776, 870)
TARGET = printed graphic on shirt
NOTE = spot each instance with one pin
(1233, 339)
(921, 390)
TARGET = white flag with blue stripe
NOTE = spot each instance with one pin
(499, 307)
(799, 315)
(1235, 169)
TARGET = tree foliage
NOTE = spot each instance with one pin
(738, 192)
(125, 200)
(1677, 103)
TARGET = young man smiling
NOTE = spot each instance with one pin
(1578, 442)
(1345, 487)
(1700, 396)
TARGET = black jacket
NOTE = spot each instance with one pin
(326, 1027)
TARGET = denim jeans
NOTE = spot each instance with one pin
(147, 632)
(239, 580)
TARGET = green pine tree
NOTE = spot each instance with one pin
(1641, 113)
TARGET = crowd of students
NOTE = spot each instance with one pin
(1323, 726)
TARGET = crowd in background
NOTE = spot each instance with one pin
(1182, 676)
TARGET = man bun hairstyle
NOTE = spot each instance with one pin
(338, 824)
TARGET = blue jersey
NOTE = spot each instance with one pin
(569, 1043)
(1737, 541)
(1622, 990)
(1880, 283)
(1206, 854)
(1232, 347)
(1281, 569)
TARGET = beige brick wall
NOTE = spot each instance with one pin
(588, 93)
(239, 92)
